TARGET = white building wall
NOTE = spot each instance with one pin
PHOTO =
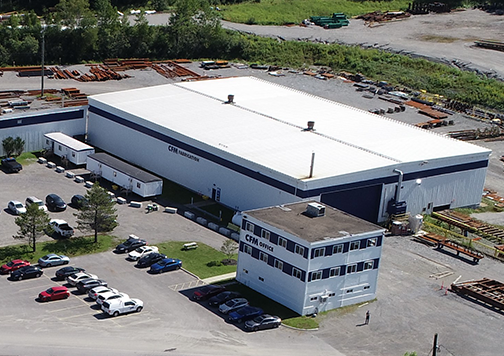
(306, 297)
(31, 127)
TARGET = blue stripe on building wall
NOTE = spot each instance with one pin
(274, 182)
(41, 119)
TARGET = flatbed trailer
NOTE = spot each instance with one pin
(440, 242)
(485, 290)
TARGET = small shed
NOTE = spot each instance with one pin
(68, 147)
(125, 175)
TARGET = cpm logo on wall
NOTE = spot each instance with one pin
(182, 153)
(255, 241)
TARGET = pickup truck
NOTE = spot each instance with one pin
(10, 165)
(61, 227)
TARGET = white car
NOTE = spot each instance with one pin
(34, 200)
(122, 306)
(76, 277)
(110, 297)
(16, 207)
(137, 254)
(97, 291)
(232, 305)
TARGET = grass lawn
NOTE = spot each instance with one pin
(203, 261)
(75, 246)
(26, 158)
(279, 12)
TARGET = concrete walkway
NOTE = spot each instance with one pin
(222, 277)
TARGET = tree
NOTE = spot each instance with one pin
(18, 146)
(98, 214)
(229, 248)
(13, 146)
(32, 224)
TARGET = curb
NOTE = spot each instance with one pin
(298, 329)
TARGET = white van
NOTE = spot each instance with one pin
(34, 200)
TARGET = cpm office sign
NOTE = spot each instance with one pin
(255, 241)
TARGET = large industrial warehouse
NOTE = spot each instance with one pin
(248, 144)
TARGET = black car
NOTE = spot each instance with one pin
(89, 283)
(149, 259)
(207, 292)
(130, 244)
(64, 272)
(79, 201)
(223, 297)
(55, 203)
(26, 272)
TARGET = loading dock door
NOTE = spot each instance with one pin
(363, 202)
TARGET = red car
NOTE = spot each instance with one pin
(207, 291)
(13, 265)
(54, 293)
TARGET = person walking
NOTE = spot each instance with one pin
(367, 318)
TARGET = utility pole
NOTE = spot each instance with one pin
(435, 346)
(43, 69)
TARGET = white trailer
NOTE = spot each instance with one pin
(125, 175)
(68, 147)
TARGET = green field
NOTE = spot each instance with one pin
(280, 12)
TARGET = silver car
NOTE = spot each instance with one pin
(232, 305)
(53, 259)
(97, 291)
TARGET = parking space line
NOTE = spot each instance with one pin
(187, 285)
(74, 316)
(63, 309)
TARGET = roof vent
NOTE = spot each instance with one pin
(315, 209)
(311, 124)
(230, 99)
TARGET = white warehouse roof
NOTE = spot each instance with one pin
(266, 123)
(68, 141)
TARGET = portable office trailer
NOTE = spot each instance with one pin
(68, 147)
(125, 175)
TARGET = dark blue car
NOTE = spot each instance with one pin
(167, 264)
(245, 313)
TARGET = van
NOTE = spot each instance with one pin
(34, 200)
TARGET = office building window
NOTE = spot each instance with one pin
(247, 249)
(282, 242)
(263, 257)
(351, 269)
(261, 279)
(315, 276)
(296, 273)
(337, 249)
(334, 272)
(368, 265)
(371, 242)
(249, 227)
(299, 250)
(279, 264)
(138, 185)
(265, 234)
(354, 245)
(319, 252)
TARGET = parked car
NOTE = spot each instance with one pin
(110, 297)
(150, 259)
(208, 291)
(223, 297)
(16, 207)
(53, 259)
(244, 313)
(26, 272)
(34, 200)
(10, 165)
(122, 306)
(55, 203)
(61, 227)
(54, 293)
(232, 305)
(73, 279)
(13, 265)
(141, 251)
(133, 242)
(264, 321)
(64, 272)
(85, 285)
(165, 265)
(95, 292)
(79, 201)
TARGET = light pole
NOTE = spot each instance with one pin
(42, 32)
